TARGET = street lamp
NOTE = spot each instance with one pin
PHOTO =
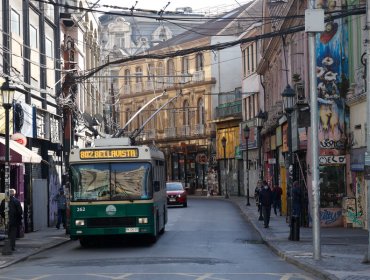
(7, 92)
(289, 103)
(260, 118)
(246, 135)
(223, 141)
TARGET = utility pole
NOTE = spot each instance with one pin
(314, 22)
(367, 154)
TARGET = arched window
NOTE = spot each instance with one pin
(151, 72)
(139, 74)
(172, 116)
(199, 62)
(186, 113)
(127, 77)
(152, 123)
(200, 115)
(127, 117)
(170, 71)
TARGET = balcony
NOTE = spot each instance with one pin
(127, 89)
(184, 131)
(232, 109)
(198, 76)
(170, 132)
(138, 87)
(149, 85)
(199, 129)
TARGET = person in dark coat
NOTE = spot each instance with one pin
(61, 201)
(276, 198)
(265, 198)
(15, 217)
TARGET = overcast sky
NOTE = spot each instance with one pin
(196, 5)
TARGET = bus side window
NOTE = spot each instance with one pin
(157, 186)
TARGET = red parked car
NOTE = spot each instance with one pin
(176, 194)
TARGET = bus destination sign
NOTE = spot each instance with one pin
(109, 153)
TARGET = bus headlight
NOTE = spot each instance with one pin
(143, 220)
(80, 222)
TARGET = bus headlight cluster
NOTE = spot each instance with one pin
(143, 220)
(80, 222)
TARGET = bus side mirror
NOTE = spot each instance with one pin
(157, 186)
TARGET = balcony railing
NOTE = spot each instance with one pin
(233, 109)
(185, 130)
(199, 129)
(139, 87)
(149, 85)
(198, 76)
(127, 89)
(170, 132)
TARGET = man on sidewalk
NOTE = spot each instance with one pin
(61, 201)
(265, 198)
(15, 217)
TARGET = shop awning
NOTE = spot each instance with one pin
(18, 153)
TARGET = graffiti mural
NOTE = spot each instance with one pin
(54, 185)
(330, 217)
(355, 207)
(332, 87)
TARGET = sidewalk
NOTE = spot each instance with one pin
(342, 249)
(31, 244)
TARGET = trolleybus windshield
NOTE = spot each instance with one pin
(110, 181)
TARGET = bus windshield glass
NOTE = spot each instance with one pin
(110, 181)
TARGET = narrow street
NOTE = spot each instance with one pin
(207, 240)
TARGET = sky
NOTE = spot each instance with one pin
(196, 5)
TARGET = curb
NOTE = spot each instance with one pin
(35, 252)
(304, 266)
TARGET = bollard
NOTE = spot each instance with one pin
(294, 229)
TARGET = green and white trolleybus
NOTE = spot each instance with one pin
(116, 189)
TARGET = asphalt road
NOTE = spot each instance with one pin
(209, 239)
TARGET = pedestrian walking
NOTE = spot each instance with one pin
(61, 201)
(276, 198)
(15, 217)
(257, 191)
(265, 198)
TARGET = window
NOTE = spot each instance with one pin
(186, 116)
(49, 11)
(48, 48)
(244, 61)
(172, 116)
(127, 77)
(251, 58)
(185, 65)
(139, 75)
(200, 111)
(151, 72)
(199, 62)
(15, 23)
(33, 37)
